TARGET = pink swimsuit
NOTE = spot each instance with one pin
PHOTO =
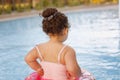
(55, 71)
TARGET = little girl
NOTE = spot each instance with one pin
(58, 61)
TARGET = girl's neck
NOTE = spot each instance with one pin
(55, 39)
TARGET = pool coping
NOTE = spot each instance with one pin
(32, 13)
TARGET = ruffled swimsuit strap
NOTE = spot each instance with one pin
(39, 52)
(60, 52)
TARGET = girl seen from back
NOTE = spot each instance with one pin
(57, 60)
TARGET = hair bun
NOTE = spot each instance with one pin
(48, 12)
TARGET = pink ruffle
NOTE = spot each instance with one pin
(33, 76)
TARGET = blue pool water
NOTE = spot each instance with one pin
(93, 34)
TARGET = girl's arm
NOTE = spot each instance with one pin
(71, 63)
(31, 60)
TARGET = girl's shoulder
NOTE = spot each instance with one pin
(69, 49)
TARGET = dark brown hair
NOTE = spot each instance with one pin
(53, 21)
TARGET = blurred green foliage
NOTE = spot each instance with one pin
(0, 9)
(22, 7)
(26, 5)
(7, 8)
(58, 3)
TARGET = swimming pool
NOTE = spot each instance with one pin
(93, 34)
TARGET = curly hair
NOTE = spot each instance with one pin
(54, 22)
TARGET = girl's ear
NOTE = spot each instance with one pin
(66, 31)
